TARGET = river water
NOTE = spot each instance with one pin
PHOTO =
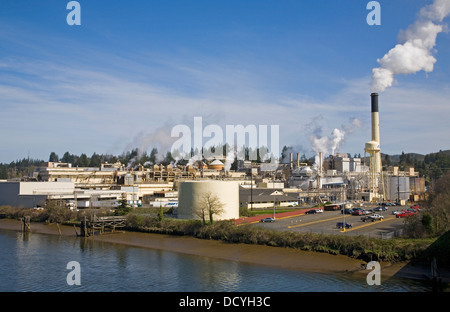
(38, 263)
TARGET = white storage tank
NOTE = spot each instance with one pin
(190, 194)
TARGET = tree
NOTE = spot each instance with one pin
(96, 160)
(53, 157)
(153, 155)
(123, 208)
(209, 205)
(67, 158)
(168, 159)
(387, 160)
(434, 220)
(83, 161)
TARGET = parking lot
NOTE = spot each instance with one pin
(325, 222)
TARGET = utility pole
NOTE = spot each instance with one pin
(251, 187)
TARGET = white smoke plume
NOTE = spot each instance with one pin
(330, 144)
(231, 156)
(160, 139)
(413, 53)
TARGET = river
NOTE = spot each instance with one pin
(39, 263)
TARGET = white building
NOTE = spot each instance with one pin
(35, 194)
(32, 194)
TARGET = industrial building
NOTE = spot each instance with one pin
(255, 198)
(334, 178)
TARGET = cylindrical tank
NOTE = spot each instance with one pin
(399, 188)
(372, 146)
(191, 193)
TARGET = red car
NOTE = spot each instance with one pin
(405, 213)
(357, 212)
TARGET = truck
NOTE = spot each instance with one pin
(372, 218)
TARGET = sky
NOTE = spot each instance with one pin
(134, 70)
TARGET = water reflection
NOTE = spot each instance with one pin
(36, 262)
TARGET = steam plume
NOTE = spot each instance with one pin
(416, 44)
(325, 144)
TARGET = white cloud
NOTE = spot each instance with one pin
(85, 110)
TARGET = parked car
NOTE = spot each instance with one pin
(268, 220)
(380, 209)
(372, 218)
(314, 211)
(415, 207)
(340, 225)
(346, 211)
(357, 212)
(396, 212)
(405, 213)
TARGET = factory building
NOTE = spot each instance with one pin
(36, 194)
(33, 194)
(336, 178)
(266, 198)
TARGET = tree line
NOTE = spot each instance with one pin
(431, 166)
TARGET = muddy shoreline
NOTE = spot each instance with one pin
(253, 254)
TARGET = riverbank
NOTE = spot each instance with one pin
(287, 258)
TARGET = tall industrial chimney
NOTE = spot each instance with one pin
(373, 148)
(376, 129)
(375, 118)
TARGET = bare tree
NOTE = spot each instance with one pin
(209, 205)
(201, 210)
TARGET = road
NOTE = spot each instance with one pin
(326, 223)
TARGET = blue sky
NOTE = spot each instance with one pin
(133, 70)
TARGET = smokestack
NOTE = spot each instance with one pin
(375, 118)
(320, 163)
(298, 160)
(375, 132)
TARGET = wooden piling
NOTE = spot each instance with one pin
(83, 227)
(26, 224)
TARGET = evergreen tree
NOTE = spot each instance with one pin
(53, 157)
(123, 208)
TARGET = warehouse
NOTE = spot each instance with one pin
(265, 198)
